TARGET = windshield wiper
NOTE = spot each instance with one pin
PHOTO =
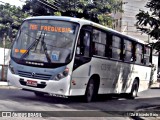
(31, 46)
(45, 49)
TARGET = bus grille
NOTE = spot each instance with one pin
(34, 75)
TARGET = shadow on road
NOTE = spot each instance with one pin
(103, 103)
(155, 88)
(114, 105)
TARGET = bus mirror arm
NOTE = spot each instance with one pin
(78, 51)
(150, 65)
(153, 66)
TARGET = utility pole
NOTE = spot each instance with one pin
(3, 66)
(3, 41)
(127, 28)
(74, 8)
(148, 39)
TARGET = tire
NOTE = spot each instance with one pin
(134, 90)
(39, 94)
(90, 91)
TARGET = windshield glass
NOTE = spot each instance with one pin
(48, 41)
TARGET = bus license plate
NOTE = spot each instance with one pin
(31, 83)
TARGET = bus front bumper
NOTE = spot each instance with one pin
(52, 87)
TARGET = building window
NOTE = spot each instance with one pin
(120, 22)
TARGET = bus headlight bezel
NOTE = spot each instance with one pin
(11, 68)
(62, 74)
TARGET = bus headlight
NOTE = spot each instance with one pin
(62, 75)
(11, 68)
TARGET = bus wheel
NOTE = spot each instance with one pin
(39, 94)
(90, 91)
(134, 90)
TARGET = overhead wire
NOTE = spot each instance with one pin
(47, 4)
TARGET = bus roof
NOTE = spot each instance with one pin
(87, 22)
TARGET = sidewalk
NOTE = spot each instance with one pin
(6, 85)
(155, 85)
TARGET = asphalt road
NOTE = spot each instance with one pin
(18, 100)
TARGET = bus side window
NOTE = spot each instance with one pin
(78, 50)
(99, 42)
(116, 47)
(146, 55)
(128, 51)
(139, 54)
(83, 44)
(86, 43)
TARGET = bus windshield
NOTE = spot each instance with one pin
(48, 41)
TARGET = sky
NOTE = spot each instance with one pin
(14, 2)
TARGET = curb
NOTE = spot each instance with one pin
(8, 87)
(4, 83)
(155, 85)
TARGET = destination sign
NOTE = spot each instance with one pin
(49, 28)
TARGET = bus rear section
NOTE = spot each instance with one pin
(108, 62)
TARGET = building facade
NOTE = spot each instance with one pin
(131, 9)
(125, 22)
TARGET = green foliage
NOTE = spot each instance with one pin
(99, 11)
(7, 44)
(10, 19)
(57, 13)
(149, 22)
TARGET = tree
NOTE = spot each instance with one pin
(10, 19)
(98, 11)
(149, 22)
(39, 7)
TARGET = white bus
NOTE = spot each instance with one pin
(66, 56)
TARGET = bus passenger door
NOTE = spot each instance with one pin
(82, 56)
(83, 44)
(82, 68)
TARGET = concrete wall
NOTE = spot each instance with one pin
(7, 56)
